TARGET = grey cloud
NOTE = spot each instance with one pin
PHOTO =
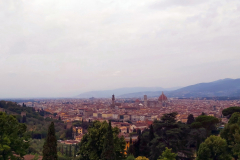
(48, 48)
(164, 4)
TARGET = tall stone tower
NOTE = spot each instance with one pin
(113, 100)
(145, 100)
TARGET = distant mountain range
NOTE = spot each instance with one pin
(224, 87)
(121, 91)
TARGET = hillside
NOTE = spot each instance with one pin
(121, 91)
(220, 88)
(36, 124)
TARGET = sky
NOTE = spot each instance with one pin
(59, 48)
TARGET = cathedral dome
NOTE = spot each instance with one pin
(162, 97)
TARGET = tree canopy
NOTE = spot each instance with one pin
(207, 122)
(168, 155)
(229, 111)
(13, 140)
(231, 133)
(170, 133)
(214, 148)
(91, 145)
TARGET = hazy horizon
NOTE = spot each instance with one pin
(64, 48)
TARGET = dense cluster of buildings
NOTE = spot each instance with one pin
(129, 115)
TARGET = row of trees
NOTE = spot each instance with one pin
(182, 138)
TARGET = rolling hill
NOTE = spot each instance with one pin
(121, 91)
(224, 87)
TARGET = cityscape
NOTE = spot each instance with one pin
(120, 80)
(128, 114)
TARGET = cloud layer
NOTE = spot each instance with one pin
(52, 48)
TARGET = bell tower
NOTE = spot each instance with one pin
(113, 100)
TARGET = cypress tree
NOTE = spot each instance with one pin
(136, 147)
(75, 150)
(70, 151)
(108, 152)
(50, 145)
(24, 119)
(151, 134)
(131, 148)
(66, 151)
(190, 119)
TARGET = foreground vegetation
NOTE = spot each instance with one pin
(166, 139)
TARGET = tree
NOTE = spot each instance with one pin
(207, 122)
(172, 134)
(190, 119)
(144, 148)
(75, 151)
(108, 152)
(229, 111)
(168, 155)
(130, 150)
(91, 145)
(13, 140)
(151, 134)
(130, 157)
(215, 148)
(70, 151)
(50, 145)
(24, 119)
(231, 133)
(66, 151)
(69, 133)
(196, 137)
(136, 146)
(62, 150)
(141, 158)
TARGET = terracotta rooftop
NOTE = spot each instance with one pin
(162, 97)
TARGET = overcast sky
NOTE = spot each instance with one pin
(55, 48)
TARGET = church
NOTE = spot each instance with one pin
(161, 102)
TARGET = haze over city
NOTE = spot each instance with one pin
(63, 48)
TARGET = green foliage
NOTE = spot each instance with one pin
(144, 147)
(171, 134)
(13, 140)
(168, 155)
(130, 157)
(69, 133)
(190, 119)
(108, 152)
(196, 137)
(214, 147)
(151, 134)
(50, 145)
(91, 145)
(235, 118)
(141, 158)
(136, 146)
(207, 122)
(36, 146)
(231, 133)
(229, 111)
(36, 125)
